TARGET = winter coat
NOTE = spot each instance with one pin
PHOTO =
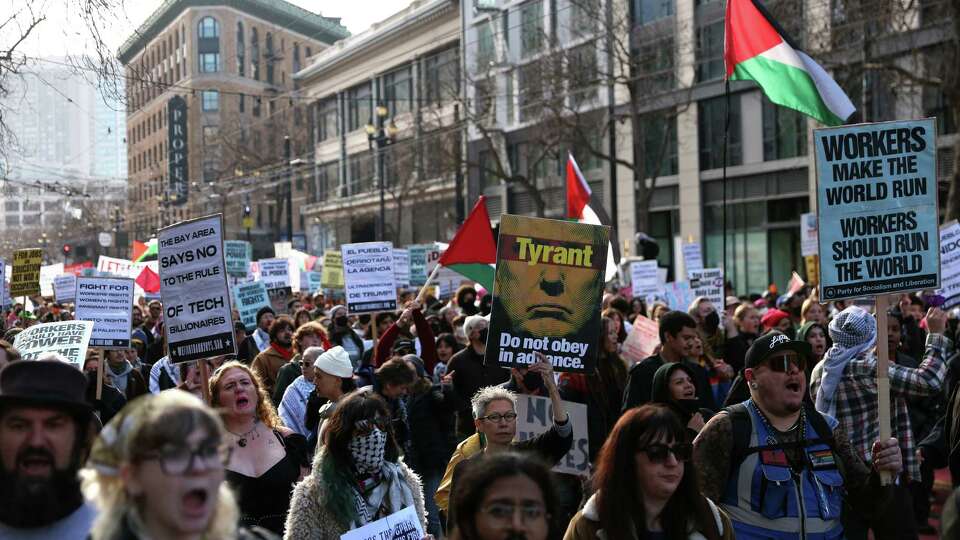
(602, 392)
(431, 414)
(585, 525)
(266, 365)
(309, 517)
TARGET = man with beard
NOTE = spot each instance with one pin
(259, 340)
(268, 363)
(779, 468)
(44, 437)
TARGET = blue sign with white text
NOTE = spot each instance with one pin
(877, 208)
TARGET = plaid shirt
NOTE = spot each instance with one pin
(856, 399)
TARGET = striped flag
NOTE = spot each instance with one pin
(582, 207)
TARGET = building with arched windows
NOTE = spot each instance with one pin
(210, 105)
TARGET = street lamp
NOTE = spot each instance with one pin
(382, 134)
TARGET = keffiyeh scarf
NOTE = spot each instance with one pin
(853, 332)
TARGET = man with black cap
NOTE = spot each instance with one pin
(44, 438)
(778, 467)
(259, 340)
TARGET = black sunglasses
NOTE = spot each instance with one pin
(781, 363)
(658, 453)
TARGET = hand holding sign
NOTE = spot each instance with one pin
(936, 320)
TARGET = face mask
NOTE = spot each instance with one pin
(711, 322)
(483, 335)
(688, 406)
(341, 321)
(367, 451)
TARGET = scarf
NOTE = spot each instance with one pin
(286, 353)
(853, 332)
(391, 495)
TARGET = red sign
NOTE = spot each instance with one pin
(77, 268)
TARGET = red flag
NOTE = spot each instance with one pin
(139, 248)
(148, 280)
(472, 252)
(578, 192)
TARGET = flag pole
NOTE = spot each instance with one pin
(726, 140)
(423, 288)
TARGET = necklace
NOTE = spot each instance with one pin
(242, 439)
(772, 439)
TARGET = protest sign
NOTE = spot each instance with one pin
(331, 277)
(692, 257)
(877, 201)
(194, 291)
(644, 278)
(808, 234)
(950, 264)
(65, 288)
(249, 298)
(66, 338)
(108, 303)
(401, 268)
(309, 281)
(25, 277)
(402, 525)
(48, 273)
(275, 273)
(368, 277)
(418, 264)
(708, 282)
(547, 290)
(642, 341)
(237, 255)
(279, 296)
(678, 295)
(535, 416)
(118, 267)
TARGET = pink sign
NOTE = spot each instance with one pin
(642, 341)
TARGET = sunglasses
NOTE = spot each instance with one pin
(781, 363)
(658, 453)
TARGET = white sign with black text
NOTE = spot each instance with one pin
(108, 302)
(368, 277)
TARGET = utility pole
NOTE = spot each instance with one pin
(286, 153)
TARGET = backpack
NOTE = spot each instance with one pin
(743, 430)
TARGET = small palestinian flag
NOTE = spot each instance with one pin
(757, 49)
(472, 253)
(582, 207)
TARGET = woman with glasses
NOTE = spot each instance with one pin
(156, 471)
(268, 458)
(643, 486)
(510, 496)
(357, 475)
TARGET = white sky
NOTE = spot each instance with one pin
(64, 33)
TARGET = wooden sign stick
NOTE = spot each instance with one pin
(883, 378)
(205, 380)
(103, 358)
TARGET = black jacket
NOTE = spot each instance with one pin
(471, 375)
(433, 439)
(640, 383)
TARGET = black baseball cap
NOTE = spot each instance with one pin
(771, 343)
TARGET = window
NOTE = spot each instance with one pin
(660, 144)
(784, 132)
(397, 91)
(328, 179)
(486, 51)
(441, 77)
(359, 107)
(256, 106)
(296, 57)
(209, 62)
(530, 91)
(241, 105)
(710, 51)
(11, 206)
(208, 46)
(712, 117)
(210, 135)
(655, 65)
(254, 54)
(584, 17)
(327, 119)
(268, 53)
(531, 27)
(647, 11)
(485, 91)
(241, 49)
(360, 173)
(582, 74)
(209, 28)
(210, 100)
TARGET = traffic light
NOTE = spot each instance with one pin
(66, 249)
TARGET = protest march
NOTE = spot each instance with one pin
(641, 320)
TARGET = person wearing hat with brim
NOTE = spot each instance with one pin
(332, 377)
(45, 434)
(258, 340)
(779, 468)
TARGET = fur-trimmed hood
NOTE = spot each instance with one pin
(309, 518)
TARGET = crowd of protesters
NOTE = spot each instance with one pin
(755, 419)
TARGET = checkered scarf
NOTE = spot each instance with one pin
(853, 331)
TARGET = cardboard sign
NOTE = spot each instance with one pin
(279, 296)
(418, 264)
(535, 416)
(237, 255)
(309, 281)
(402, 525)
(249, 298)
(401, 268)
(65, 288)
(25, 277)
(331, 277)
(642, 341)
(877, 201)
(708, 282)
(368, 277)
(692, 257)
(808, 234)
(194, 290)
(48, 273)
(547, 291)
(950, 264)
(118, 267)
(275, 273)
(108, 303)
(678, 295)
(645, 278)
(66, 338)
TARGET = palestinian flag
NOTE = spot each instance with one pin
(582, 207)
(472, 253)
(757, 49)
(144, 252)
